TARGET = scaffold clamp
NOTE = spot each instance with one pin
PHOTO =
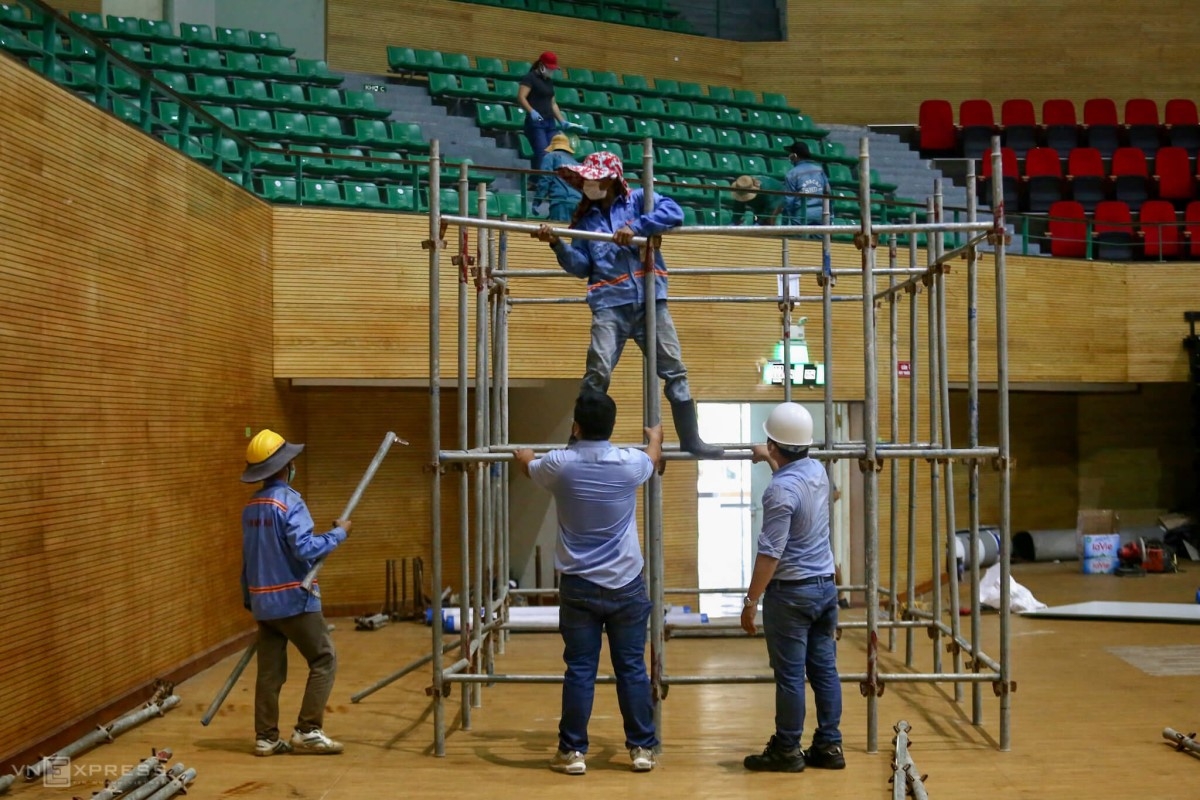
(1001, 688)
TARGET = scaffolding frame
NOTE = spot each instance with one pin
(484, 534)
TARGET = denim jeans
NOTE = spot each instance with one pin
(799, 623)
(612, 327)
(562, 211)
(586, 610)
(539, 134)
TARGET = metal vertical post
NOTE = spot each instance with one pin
(505, 468)
(435, 435)
(464, 482)
(1003, 462)
(494, 592)
(913, 350)
(934, 435)
(479, 604)
(785, 308)
(653, 494)
(826, 282)
(894, 416)
(943, 357)
(973, 442)
(871, 435)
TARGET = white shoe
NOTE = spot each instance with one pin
(271, 747)
(315, 743)
(568, 763)
(643, 759)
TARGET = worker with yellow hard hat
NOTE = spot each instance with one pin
(278, 549)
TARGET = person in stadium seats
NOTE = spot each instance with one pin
(595, 485)
(542, 115)
(562, 197)
(748, 196)
(616, 282)
(806, 177)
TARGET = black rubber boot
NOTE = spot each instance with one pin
(776, 759)
(687, 426)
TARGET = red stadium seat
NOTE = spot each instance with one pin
(1141, 124)
(977, 125)
(1068, 230)
(1191, 228)
(1130, 176)
(1173, 174)
(1183, 125)
(1060, 124)
(1087, 176)
(1020, 125)
(1159, 230)
(936, 127)
(1112, 235)
(1101, 127)
(1043, 179)
(1011, 178)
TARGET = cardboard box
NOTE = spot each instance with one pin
(1097, 520)
(1099, 545)
(1101, 565)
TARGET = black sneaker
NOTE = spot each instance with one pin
(776, 759)
(825, 756)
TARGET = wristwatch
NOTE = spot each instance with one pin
(748, 603)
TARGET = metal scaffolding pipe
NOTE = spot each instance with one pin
(398, 674)
(894, 435)
(435, 245)
(741, 453)
(937, 263)
(934, 383)
(768, 298)
(389, 439)
(717, 680)
(476, 597)
(972, 441)
(177, 784)
(6, 781)
(102, 734)
(913, 374)
(135, 777)
(684, 271)
(464, 428)
(906, 779)
(157, 782)
(1182, 741)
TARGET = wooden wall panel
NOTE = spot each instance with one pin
(1156, 298)
(136, 352)
(359, 32)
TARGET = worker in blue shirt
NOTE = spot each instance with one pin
(562, 197)
(616, 283)
(806, 177)
(601, 587)
(278, 550)
(794, 577)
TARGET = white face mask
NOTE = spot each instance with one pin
(592, 190)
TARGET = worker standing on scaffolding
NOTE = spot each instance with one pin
(616, 283)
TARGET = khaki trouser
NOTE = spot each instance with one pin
(310, 635)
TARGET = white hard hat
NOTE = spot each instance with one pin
(789, 424)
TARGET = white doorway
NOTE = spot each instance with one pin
(729, 495)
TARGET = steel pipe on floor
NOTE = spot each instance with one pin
(135, 777)
(400, 673)
(1181, 741)
(176, 785)
(906, 780)
(103, 734)
(156, 783)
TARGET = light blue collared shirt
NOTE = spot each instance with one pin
(595, 492)
(795, 526)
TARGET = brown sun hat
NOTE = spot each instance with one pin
(745, 188)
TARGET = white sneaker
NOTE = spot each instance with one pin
(271, 747)
(568, 763)
(315, 743)
(643, 759)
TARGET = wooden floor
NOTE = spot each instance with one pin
(1086, 724)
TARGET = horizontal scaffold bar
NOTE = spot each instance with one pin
(702, 680)
(814, 298)
(674, 271)
(743, 453)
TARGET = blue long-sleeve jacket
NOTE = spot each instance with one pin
(551, 187)
(614, 273)
(806, 177)
(278, 550)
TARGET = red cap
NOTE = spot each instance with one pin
(548, 60)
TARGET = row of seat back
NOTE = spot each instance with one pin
(198, 35)
(1059, 127)
(656, 15)
(1113, 235)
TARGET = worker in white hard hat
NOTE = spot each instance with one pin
(794, 578)
(278, 549)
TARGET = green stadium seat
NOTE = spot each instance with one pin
(201, 60)
(278, 190)
(17, 44)
(168, 115)
(53, 70)
(636, 83)
(615, 148)
(74, 50)
(328, 129)
(670, 159)
(491, 117)
(689, 216)
(256, 121)
(235, 39)
(676, 132)
(596, 101)
(574, 9)
(728, 163)
(704, 136)
(363, 195)
(443, 84)
(779, 167)
(310, 165)
(122, 81)
(510, 205)
(690, 91)
(756, 142)
(339, 164)
(699, 162)
(779, 142)
(516, 117)
(458, 63)
(576, 76)
(89, 22)
(613, 126)
(654, 107)
(168, 55)
(605, 80)
(409, 137)
(474, 86)
(291, 125)
(647, 127)
(325, 98)
(586, 148)
(448, 201)
(755, 165)
(730, 116)
(290, 95)
(226, 152)
(249, 65)
(711, 216)
(158, 30)
(211, 88)
(315, 71)
(390, 171)
(134, 52)
(428, 61)
(567, 97)
(13, 16)
(634, 153)
(666, 87)
(362, 104)
(125, 109)
(581, 118)
(745, 98)
(679, 110)
(505, 89)
(190, 146)
(252, 92)
(401, 59)
(222, 114)
(125, 28)
(612, 15)
(268, 157)
(485, 65)
(400, 198)
(703, 112)
(841, 176)
(374, 132)
(518, 69)
(197, 35)
(525, 150)
(774, 100)
(321, 192)
(279, 68)
(268, 42)
(625, 103)
(234, 177)
(636, 19)
(775, 120)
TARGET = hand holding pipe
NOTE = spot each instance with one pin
(388, 440)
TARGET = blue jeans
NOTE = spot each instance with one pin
(800, 623)
(586, 610)
(539, 134)
(612, 327)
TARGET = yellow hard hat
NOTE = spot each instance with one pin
(267, 453)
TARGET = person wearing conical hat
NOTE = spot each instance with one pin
(278, 549)
(750, 194)
(562, 197)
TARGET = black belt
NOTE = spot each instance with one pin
(806, 581)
